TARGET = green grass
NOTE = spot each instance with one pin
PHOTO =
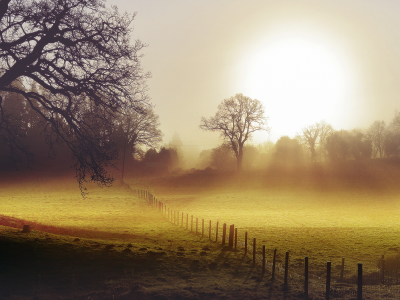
(112, 243)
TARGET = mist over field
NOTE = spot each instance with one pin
(199, 150)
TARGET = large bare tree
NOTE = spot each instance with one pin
(137, 129)
(80, 53)
(236, 119)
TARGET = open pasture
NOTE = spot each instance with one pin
(325, 224)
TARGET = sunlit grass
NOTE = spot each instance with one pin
(360, 224)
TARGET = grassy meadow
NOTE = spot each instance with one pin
(133, 251)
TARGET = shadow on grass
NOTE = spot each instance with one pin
(70, 231)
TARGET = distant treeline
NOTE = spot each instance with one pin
(316, 143)
(135, 137)
(28, 141)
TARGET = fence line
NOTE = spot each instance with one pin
(347, 282)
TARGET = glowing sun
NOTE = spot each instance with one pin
(301, 80)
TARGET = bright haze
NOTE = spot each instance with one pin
(307, 61)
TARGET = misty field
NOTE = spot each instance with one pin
(359, 224)
(324, 221)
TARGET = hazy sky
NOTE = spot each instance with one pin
(305, 60)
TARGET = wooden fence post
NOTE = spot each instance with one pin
(191, 223)
(209, 230)
(306, 277)
(236, 233)
(182, 221)
(359, 282)
(285, 283)
(328, 280)
(383, 270)
(254, 251)
(223, 234)
(231, 236)
(245, 243)
(263, 260)
(342, 270)
(216, 233)
(177, 218)
(202, 227)
(273, 265)
(197, 224)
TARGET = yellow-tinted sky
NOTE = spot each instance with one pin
(305, 60)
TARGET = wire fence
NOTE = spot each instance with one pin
(341, 282)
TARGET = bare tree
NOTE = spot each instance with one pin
(376, 133)
(315, 135)
(392, 137)
(236, 119)
(309, 137)
(137, 129)
(80, 53)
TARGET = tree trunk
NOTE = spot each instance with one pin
(123, 163)
(239, 159)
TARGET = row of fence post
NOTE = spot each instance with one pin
(174, 216)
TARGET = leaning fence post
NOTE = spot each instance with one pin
(223, 234)
(306, 277)
(328, 280)
(231, 236)
(254, 251)
(235, 239)
(342, 270)
(285, 283)
(359, 282)
(216, 233)
(245, 243)
(273, 264)
(263, 259)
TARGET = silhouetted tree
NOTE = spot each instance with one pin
(162, 161)
(391, 141)
(176, 143)
(313, 136)
(222, 157)
(337, 145)
(360, 145)
(80, 53)
(136, 129)
(376, 134)
(309, 138)
(342, 145)
(236, 119)
(324, 131)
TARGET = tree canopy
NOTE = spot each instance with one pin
(79, 54)
(237, 118)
